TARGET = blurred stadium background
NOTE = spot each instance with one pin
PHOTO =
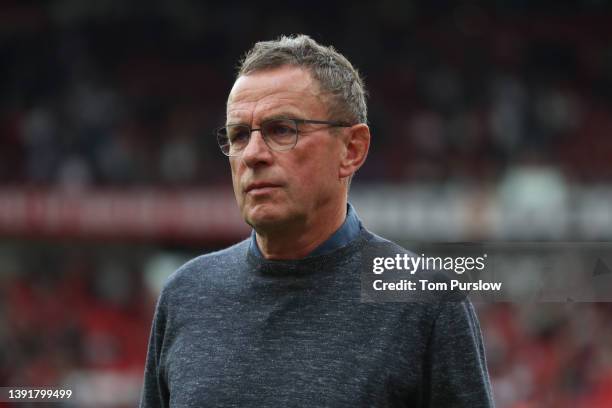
(489, 123)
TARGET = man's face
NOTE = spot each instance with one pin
(276, 190)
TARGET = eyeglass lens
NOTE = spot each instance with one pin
(279, 134)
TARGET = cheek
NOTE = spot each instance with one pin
(316, 173)
(236, 180)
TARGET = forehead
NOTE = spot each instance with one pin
(284, 90)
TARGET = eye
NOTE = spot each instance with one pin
(279, 130)
(238, 134)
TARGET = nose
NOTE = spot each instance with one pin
(256, 151)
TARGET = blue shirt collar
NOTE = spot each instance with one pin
(343, 235)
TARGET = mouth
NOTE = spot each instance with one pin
(260, 187)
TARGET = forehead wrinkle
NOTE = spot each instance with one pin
(258, 113)
(262, 109)
(262, 91)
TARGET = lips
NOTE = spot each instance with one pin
(259, 186)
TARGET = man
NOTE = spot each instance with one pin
(276, 320)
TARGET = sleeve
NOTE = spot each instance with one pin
(155, 393)
(456, 368)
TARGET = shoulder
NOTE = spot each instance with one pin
(394, 263)
(378, 243)
(205, 267)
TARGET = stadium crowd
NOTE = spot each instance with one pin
(131, 98)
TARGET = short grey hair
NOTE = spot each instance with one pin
(335, 74)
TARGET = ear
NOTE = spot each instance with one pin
(356, 146)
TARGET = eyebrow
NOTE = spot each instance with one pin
(280, 115)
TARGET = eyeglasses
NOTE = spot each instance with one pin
(278, 134)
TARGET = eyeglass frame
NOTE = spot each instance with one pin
(296, 121)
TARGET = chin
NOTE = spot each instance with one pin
(265, 216)
(261, 213)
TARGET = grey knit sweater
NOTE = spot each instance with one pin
(232, 329)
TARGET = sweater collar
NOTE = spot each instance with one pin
(348, 231)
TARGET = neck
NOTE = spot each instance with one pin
(297, 242)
